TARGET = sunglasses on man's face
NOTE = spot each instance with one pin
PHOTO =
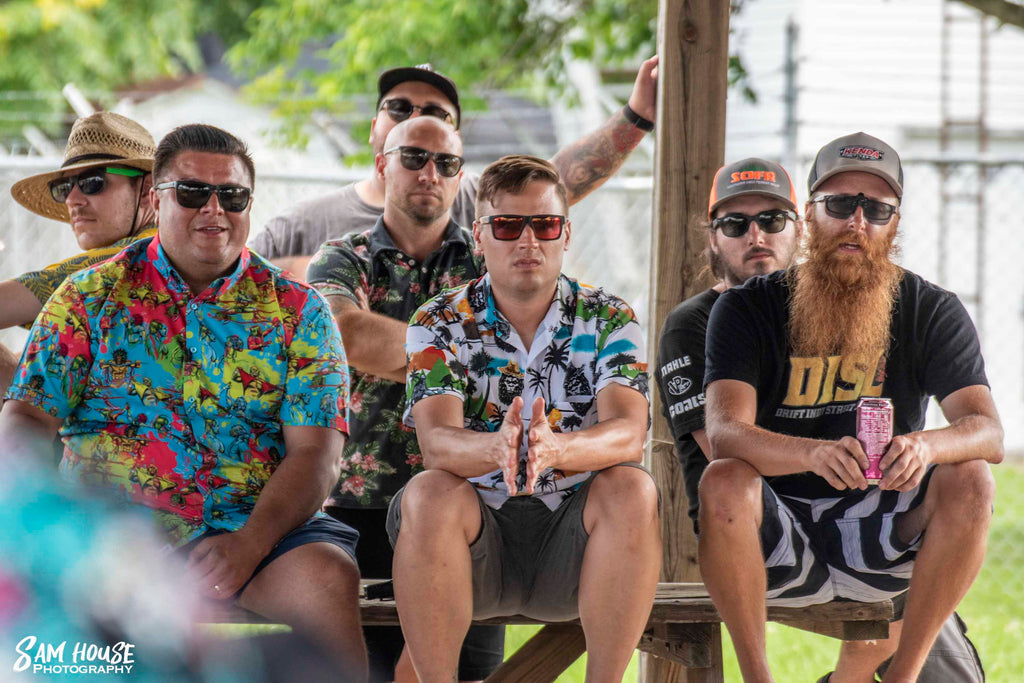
(415, 158)
(507, 227)
(192, 194)
(843, 206)
(399, 109)
(89, 182)
(737, 224)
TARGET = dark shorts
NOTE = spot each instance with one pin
(527, 558)
(315, 530)
(845, 548)
(484, 647)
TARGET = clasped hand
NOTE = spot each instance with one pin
(544, 446)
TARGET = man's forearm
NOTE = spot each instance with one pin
(769, 453)
(294, 492)
(588, 162)
(462, 452)
(973, 437)
(374, 343)
(8, 366)
(602, 445)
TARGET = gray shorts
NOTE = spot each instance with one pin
(527, 558)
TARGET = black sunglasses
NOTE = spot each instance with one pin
(507, 226)
(415, 158)
(843, 206)
(399, 109)
(89, 182)
(192, 194)
(737, 224)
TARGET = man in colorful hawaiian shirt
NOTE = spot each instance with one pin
(157, 420)
(528, 392)
(102, 191)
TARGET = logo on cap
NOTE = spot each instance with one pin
(741, 176)
(861, 152)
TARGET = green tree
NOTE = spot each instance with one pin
(99, 45)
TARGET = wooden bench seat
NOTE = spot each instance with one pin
(684, 627)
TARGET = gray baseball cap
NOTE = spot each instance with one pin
(751, 176)
(857, 152)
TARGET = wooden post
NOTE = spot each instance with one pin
(693, 45)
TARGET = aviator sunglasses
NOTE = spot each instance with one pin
(843, 205)
(89, 182)
(192, 194)
(737, 224)
(399, 109)
(507, 227)
(415, 158)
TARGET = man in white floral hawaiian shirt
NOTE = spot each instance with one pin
(528, 392)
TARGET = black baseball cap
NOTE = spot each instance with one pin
(857, 152)
(751, 176)
(424, 73)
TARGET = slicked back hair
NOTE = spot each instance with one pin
(512, 174)
(199, 137)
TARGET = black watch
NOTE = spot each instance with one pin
(637, 120)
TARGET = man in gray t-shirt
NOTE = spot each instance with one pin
(290, 239)
(305, 226)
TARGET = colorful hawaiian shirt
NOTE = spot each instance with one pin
(43, 283)
(176, 401)
(382, 454)
(459, 344)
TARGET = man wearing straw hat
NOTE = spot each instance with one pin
(102, 191)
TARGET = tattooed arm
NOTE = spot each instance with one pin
(585, 164)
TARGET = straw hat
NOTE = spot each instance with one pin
(100, 139)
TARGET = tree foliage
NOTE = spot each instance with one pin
(99, 45)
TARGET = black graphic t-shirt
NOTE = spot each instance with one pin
(934, 352)
(680, 378)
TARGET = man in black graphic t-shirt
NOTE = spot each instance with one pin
(753, 230)
(788, 356)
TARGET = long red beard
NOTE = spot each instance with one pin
(841, 304)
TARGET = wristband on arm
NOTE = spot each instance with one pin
(637, 120)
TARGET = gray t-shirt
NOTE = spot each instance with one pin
(301, 230)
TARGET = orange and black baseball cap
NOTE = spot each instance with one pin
(857, 152)
(751, 176)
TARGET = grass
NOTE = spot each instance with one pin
(993, 609)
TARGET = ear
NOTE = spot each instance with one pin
(478, 247)
(379, 162)
(146, 191)
(373, 126)
(154, 198)
(568, 234)
(713, 240)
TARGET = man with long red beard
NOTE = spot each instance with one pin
(788, 357)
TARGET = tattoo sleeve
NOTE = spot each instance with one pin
(591, 160)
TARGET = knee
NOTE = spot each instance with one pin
(967, 489)
(625, 492)
(436, 498)
(727, 488)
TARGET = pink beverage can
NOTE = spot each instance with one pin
(874, 431)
